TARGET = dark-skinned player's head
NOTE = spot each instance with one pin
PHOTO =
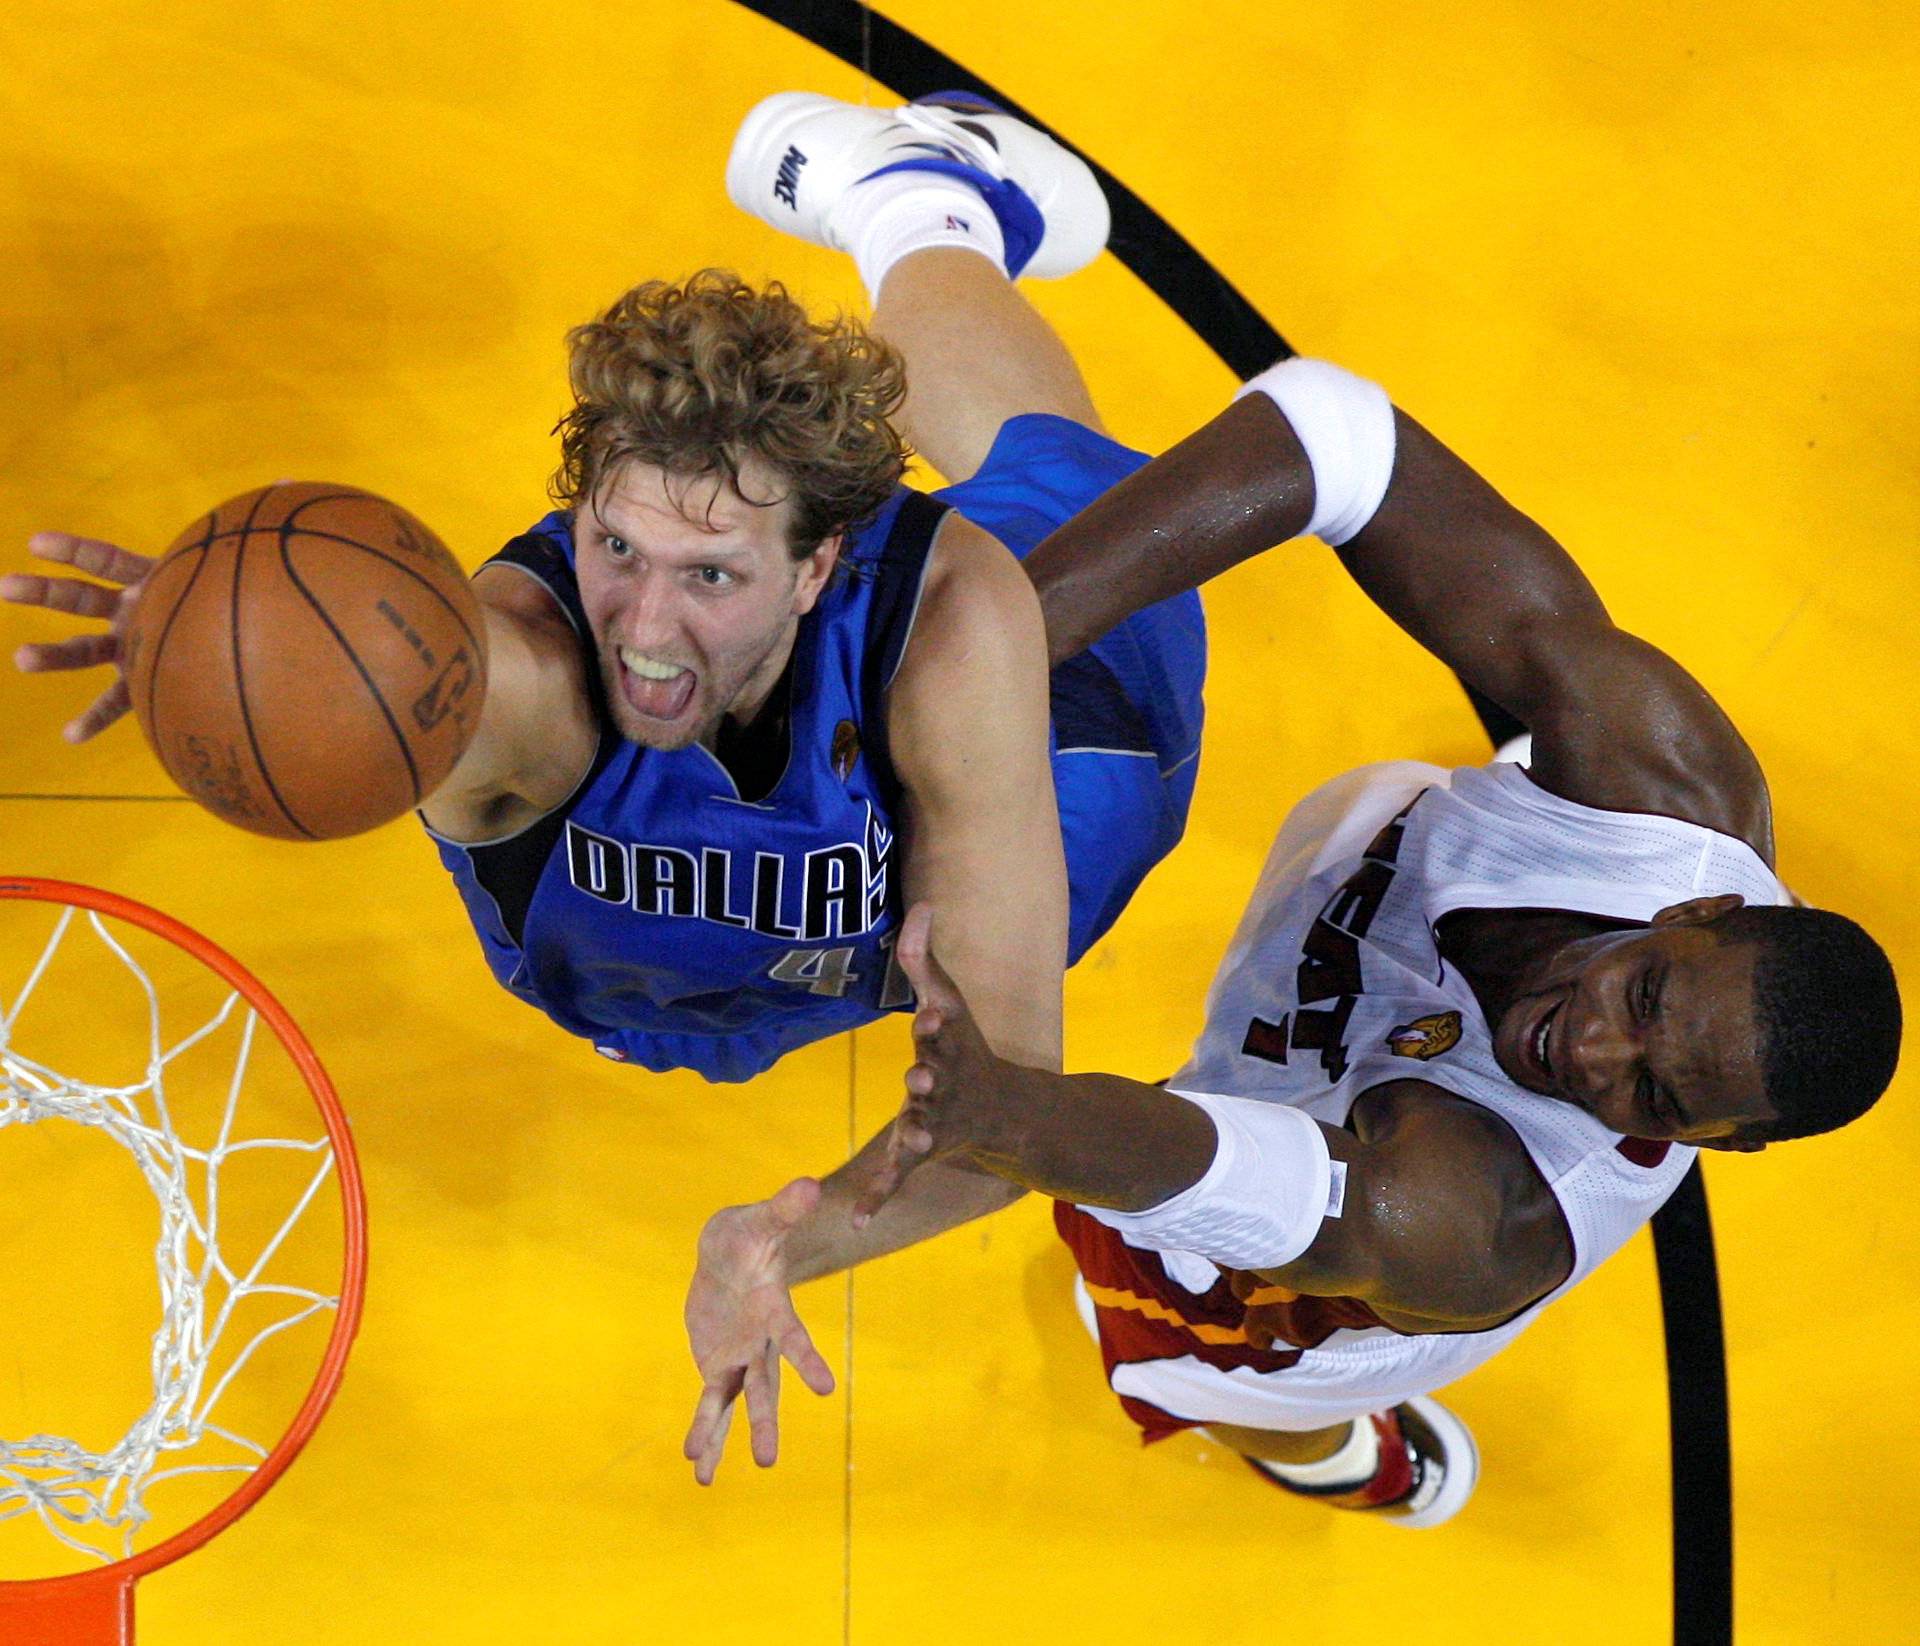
(1828, 1013)
(1716, 1025)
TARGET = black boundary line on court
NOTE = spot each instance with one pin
(1170, 266)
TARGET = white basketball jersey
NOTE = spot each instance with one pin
(1334, 983)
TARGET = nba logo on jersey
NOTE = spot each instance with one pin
(1426, 1037)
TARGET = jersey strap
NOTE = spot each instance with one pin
(898, 572)
(509, 870)
(543, 557)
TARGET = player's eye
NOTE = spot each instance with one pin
(714, 577)
(618, 547)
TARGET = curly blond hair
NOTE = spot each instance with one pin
(696, 378)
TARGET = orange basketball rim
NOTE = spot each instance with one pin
(95, 1607)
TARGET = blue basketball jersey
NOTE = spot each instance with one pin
(677, 924)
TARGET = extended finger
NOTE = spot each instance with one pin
(882, 1185)
(101, 713)
(763, 1405)
(79, 651)
(805, 1359)
(715, 1398)
(60, 594)
(707, 1464)
(907, 1148)
(931, 984)
(707, 1436)
(90, 555)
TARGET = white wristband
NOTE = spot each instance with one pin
(1259, 1205)
(1346, 425)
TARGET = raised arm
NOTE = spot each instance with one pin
(1380, 1212)
(535, 734)
(967, 729)
(537, 731)
(1616, 723)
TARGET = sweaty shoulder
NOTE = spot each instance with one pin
(1468, 1231)
(1641, 735)
(537, 730)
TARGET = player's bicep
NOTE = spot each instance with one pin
(1616, 722)
(1444, 1220)
(967, 724)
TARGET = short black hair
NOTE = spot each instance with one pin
(1828, 1012)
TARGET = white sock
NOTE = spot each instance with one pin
(908, 211)
(1354, 1463)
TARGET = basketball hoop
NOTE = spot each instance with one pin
(88, 1499)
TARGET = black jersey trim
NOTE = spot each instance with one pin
(1170, 266)
(1092, 714)
(539, 557)
(899, 574)
(508, 869)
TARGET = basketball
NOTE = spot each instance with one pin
(307, 661)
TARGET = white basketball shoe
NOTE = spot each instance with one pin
(798, 154)
(1427, 1470)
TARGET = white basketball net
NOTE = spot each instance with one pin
(93, 1501)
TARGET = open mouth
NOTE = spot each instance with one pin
(1537, 1045)
(1540, 1041)
(660, 691)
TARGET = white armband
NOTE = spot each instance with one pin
(1346, 425)
(1259, 1205)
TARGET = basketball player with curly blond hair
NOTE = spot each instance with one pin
(749, 695)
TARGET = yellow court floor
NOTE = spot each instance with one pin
(1651, 267)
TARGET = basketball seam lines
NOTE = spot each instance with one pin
(393, 725)
(239, 674)
(400, 566)
(380, 554)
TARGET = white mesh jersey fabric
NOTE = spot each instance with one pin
(1477, 837)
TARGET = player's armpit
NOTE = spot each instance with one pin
(967, 719)
(537, 733)
(1446, 1222)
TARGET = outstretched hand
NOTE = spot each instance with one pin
(954, 1072)
(113, 600)
(741, 1323)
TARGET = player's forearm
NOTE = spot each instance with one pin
(1444, 555)
(1476, 582)
(1095, 1139)
(1236, 486)
(934, 1199)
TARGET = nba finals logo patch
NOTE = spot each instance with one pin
(1426, 1037)
(846, 749)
